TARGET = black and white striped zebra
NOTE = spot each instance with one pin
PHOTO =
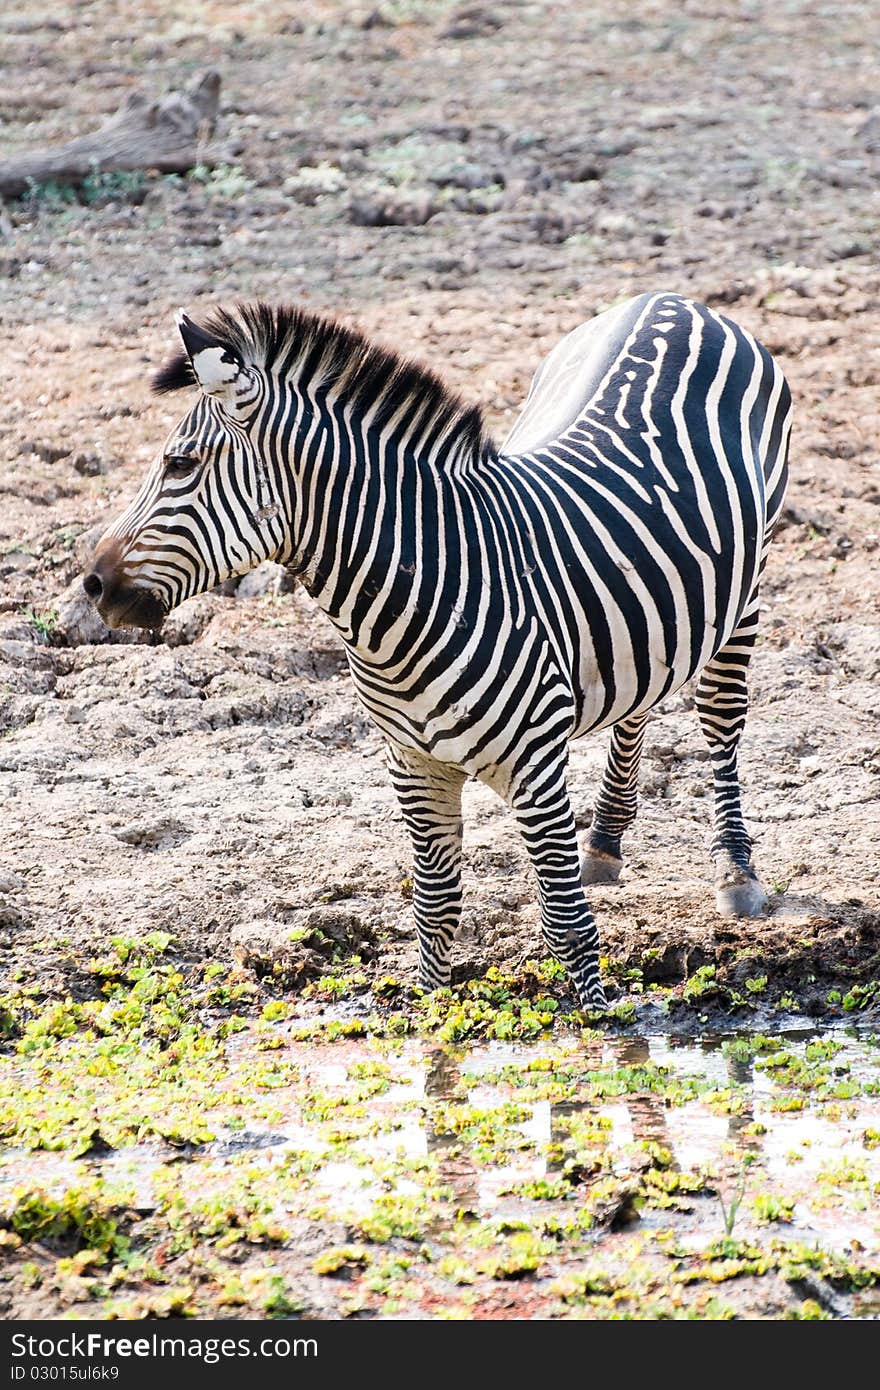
(494, 603)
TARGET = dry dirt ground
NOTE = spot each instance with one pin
(468, 185)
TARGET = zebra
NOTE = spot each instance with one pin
(494, 602)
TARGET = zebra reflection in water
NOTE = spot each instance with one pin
(581, 1140)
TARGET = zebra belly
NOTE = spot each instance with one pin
(472, 714)
(592, 629)
(642, 637)
(632, 598)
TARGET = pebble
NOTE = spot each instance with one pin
(77, 620)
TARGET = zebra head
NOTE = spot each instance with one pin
(207, 509)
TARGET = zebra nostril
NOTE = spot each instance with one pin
(93, 586)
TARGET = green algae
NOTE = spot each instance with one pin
(445, 1145)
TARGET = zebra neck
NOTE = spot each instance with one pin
(376, 530)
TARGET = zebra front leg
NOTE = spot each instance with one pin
(429, 793)
(615, 808)
(722, 704)
(546, 822)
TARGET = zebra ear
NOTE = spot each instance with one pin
(217, 367)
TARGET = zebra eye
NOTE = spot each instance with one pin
(180, 465)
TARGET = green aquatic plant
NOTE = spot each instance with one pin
(860, 996)
(701, 985)
(730, 1209)
(87, 1219)
(808, 1311)
(342, 1259)
(769, 1207)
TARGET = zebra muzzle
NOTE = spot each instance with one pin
(122, 606)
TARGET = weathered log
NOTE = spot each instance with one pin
(168, 135)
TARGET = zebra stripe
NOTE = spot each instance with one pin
(494, 603)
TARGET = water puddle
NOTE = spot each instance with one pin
(576, 1144)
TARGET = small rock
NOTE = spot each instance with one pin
(88, 465)
(471, 22)
(846, 247)
(186, 624)
(808, 1284)
(844, 173)
(792, 515)
(9, 915)
(466, 175)
(267, 578)
(306, 194)
(375, 19)
(17, 562)
(551, 228)
(868, 134)
(582, 170)
(478, 201)
(730, 293)
(617, 224)
(49, 453)
(75, 715)
(16, 630)
(659, 118)
(404, 929)
(392, 209)
(228, 588)
(85, 543)
(77, 620)
(161, 833)
(616, 147)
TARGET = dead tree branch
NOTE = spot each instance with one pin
(169, 135)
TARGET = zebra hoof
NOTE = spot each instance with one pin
(599, 867)
(745, 899)
(593, 998)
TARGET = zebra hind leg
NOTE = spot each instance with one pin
(546, 823)
(429, 793)
(615, 808)
(722, 704)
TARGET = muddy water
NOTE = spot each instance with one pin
(589, 1151)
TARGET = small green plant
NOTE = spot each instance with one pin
(317, 179)
(50, 194)
(122, 185)
(74, 1216)
(277, 1301)
(45, 623)
(702, 984)
(9, 1016)
(787, 1003)
(517, 1257)
(275, 1011)
(769, 1208)
(222, 180)
(342, 1259)
(808, 1311)
(730, 1209)
(860, 996)
(97, 187)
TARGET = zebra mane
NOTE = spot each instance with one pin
(295, 343)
